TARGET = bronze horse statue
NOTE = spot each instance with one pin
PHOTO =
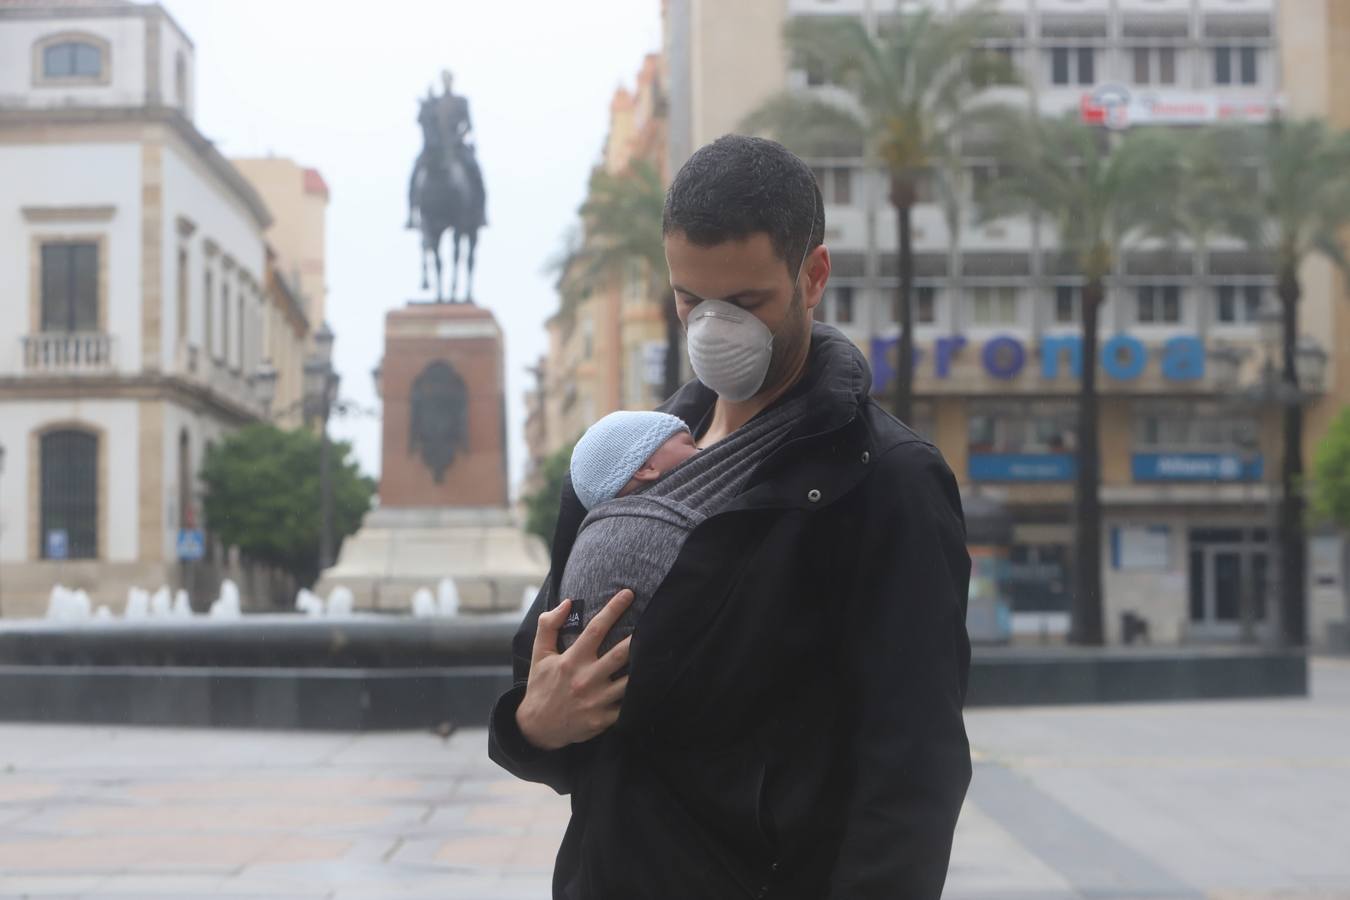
(450, 197)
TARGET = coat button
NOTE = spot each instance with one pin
(866, 457)
(813, 495)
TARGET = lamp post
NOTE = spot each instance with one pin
(321, 384)
(1302, 368)
(2, 472)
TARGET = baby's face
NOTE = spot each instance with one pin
(674, 451)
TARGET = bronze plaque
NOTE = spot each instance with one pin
(440, 417)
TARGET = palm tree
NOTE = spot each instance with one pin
(1096, 192)
(1303, 192)
(908, 87)
(622, 227)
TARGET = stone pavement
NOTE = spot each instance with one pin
(1229, 801)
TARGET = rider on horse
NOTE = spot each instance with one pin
(445, 125)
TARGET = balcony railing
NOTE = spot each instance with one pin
(68, 353)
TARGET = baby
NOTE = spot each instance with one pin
(646, 487)
(625, 451)
(627, 539)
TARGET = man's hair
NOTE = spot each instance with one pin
(738, 186)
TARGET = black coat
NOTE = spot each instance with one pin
(792, 725)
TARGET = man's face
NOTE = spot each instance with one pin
(751, 275)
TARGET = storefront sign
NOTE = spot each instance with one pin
(1116, 106)
(1123, 358)
(1022, 467)
(1196, 467)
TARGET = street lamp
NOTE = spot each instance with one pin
(263, 384)
(2, 472)
(321, 385)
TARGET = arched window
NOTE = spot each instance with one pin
(71, 57)
(69, 479)
(186, 517)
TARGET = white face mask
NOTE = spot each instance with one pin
(730, 348)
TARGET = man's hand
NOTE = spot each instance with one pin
(570, 696)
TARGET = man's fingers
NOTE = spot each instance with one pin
(604, 620)
(614, 691)
(616, 658)
(546, 632)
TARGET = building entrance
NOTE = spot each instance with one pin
(1229, 568)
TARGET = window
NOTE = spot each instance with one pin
(1194, 427)
(239, 330)
(70, 286)
(186, 519)
(180, 80)
(69, 485)
(993, 306)
(1238, 304)
(634, 282)
(1068, 304)
(1020, 427)
(925, 305)
(182, 294)
(836, 185)
(842, 300)
(1235, 65)
(224, 354)
(1158, 304)
(993, 65)
(1073, 65)
(1155, 65)
(72, 59)
(587, 340)
(209, 328)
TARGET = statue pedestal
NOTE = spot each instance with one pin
(443, 484)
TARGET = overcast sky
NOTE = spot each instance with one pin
(334, 85)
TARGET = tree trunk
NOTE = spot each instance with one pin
(903, 198)
(671, 375)
(1086, 625)
(1293, 542)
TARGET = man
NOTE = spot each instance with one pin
(790, 725)
(449, 118)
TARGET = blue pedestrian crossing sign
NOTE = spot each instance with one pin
(191, 544)
(58, 544)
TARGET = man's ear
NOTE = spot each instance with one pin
(648, 472)
(816, 274)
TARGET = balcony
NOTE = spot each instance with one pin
(68, 353)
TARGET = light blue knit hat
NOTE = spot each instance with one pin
(613, 449)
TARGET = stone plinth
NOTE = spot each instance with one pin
(397, 551)
(443, 485)
(462, 344)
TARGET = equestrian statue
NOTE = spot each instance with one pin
(446, 189)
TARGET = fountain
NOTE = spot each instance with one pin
(309, 603)
(340, 601)
(423, 604)
(226, 606)
(161, 604)
(447, 598)
(138, 604)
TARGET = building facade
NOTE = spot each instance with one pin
(133, 260)
(607, 345)
(1188, 471)
(297, 198)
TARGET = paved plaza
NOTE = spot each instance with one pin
(1231, 801)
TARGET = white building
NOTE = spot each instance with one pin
(131, 274)
(1187, 476)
